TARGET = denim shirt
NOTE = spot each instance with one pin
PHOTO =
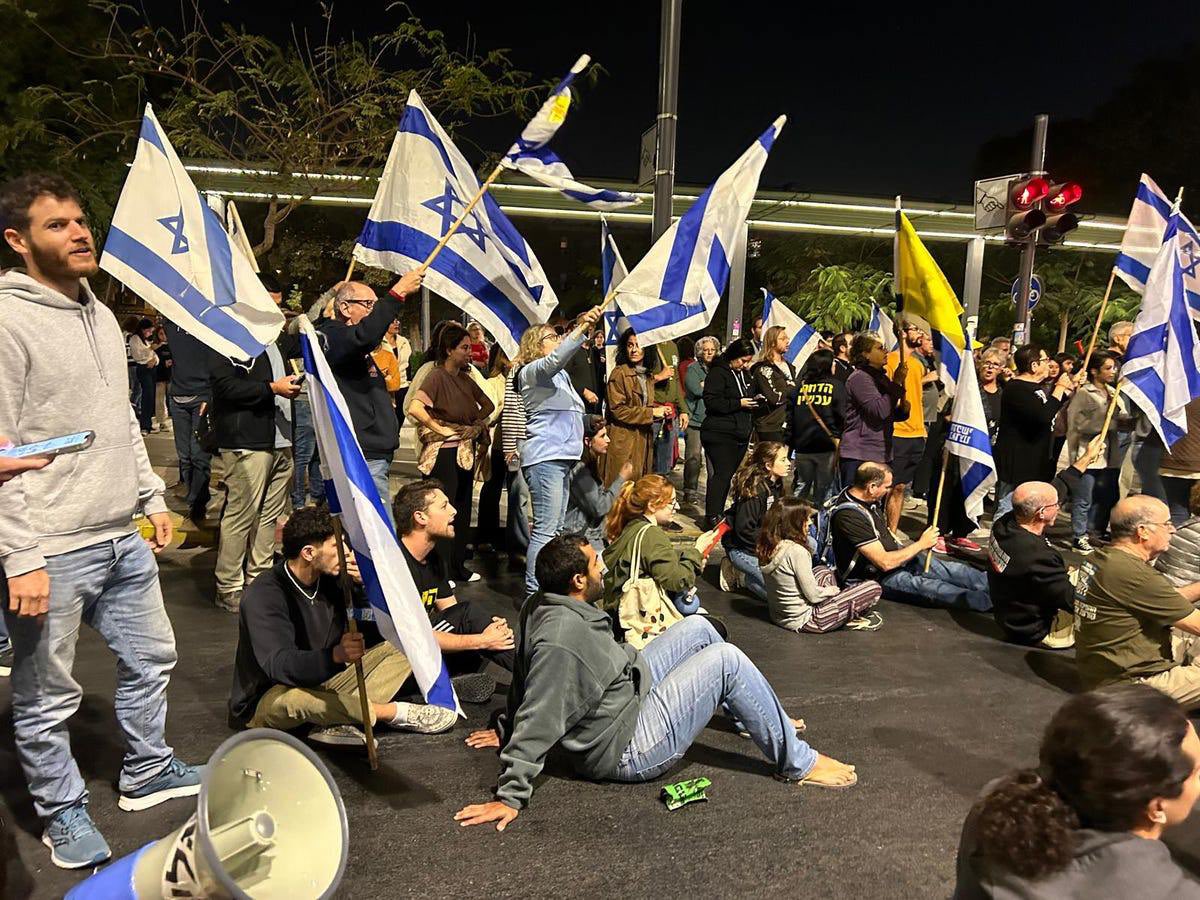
(553, 408)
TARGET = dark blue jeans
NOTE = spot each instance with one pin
(145, 404)
(304, 455)
(948, 584)
(195, 463)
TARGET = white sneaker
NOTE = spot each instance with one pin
(424, 718)
(475, 576)
(1083, 545)
(339, 736)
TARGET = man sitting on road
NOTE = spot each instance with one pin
(469, 638)
(1033, 596)
(622, 714)
(295, 655)
(1134, 625)
(865, 550)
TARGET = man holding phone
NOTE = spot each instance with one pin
(68, 547)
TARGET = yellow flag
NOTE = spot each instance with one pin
(926, 291)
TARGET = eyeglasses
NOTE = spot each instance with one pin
(1167, 525)
(552, 337)
(1041, 509)
(369, 304)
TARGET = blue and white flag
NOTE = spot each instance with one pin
(486, 268)
(1144, 237)
(612, 272)
(1161, 370)
(531, 155)
(676, 287)
(803, 339)
(351, 494)
(968, 440)
(881, 325)
(169, 247)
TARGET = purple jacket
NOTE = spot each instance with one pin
(873, 404)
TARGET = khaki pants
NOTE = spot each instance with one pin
(1181, 683)
(258, 487)
(385, 669)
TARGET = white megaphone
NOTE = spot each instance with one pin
(269, 823)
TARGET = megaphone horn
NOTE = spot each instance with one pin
(269, 823)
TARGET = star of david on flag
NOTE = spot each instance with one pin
(170, 248)
(1144, 235)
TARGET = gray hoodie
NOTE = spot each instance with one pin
(792, 589)
(62, 370)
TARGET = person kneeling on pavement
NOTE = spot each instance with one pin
(621, 714)
(295, 655)
(1134, 625)
(866, 550)
(1033, 595)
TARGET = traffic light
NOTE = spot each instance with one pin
(1023, 217)
(1058, 220)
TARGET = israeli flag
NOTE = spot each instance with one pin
(612, 272)
(531, 155)
(1161, 371)
(1144, 237)
(676, 287)
(804, 339)
(486, 269)
(968, 440)
(169, 247)
(881, 324)
(351, 493)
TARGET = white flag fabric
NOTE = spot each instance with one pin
(803, 339)
(612, 271)
(676, 287)
(237, 233)
(486, 268)
(1143, 239)
(351, 494)
(531, 155)
(1161, 370)
(171, 249)
(881, 325)
(968, 440)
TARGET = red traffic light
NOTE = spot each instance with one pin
(1028, 192)
(1063, 195)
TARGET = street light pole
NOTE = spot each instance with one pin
(1037, 166)
(668, 114)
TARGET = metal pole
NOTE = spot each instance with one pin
(972, 285)
(1037, 166)
(425, 317)
(668, 108)
(737, 285)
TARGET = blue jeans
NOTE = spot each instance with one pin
(379, 474)
(1004, 492)
(1092, 503)
(517, 525)
(666, 436)
(1147, 458)
(949, 585)
(694, 673)
(304, 455)
(113, 587)
(549, 489)
(195, 463)
(747, 564)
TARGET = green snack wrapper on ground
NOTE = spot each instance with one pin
(684, 792)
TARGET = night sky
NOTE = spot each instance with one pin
(878, 102)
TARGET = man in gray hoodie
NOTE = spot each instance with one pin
(68, 547)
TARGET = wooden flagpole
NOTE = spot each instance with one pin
(1087, 357)
(348, 597)
(937, 506)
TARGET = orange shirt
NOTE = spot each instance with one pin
(914, 425)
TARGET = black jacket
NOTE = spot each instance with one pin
(243, 405)
(581, 369)
(1027, 578)
(779, 389)
(745, 516)
(1025, 433)
(827, 395)
(348, 349)
(723, 393)
(190, 376)
(284, 638)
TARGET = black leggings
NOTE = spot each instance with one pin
(457, 483)
(463, 618)
(725, 452)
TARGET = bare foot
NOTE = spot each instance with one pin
(830, 773)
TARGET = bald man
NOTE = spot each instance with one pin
(1134, 624)
(1032, 595)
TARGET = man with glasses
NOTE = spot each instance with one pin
(1033, 598)
(360, 321)
(1134, 624)
(1025, 434)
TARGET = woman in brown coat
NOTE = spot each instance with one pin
(630, 412)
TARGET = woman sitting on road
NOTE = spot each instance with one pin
(801, 597)
(590, 500)
(757, 484)
(1118, 767)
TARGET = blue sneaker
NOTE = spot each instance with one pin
(176, 780)
(74, 840)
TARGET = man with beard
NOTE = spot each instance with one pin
(68, 547)
(622, 714)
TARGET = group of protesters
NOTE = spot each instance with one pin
(614, 659)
